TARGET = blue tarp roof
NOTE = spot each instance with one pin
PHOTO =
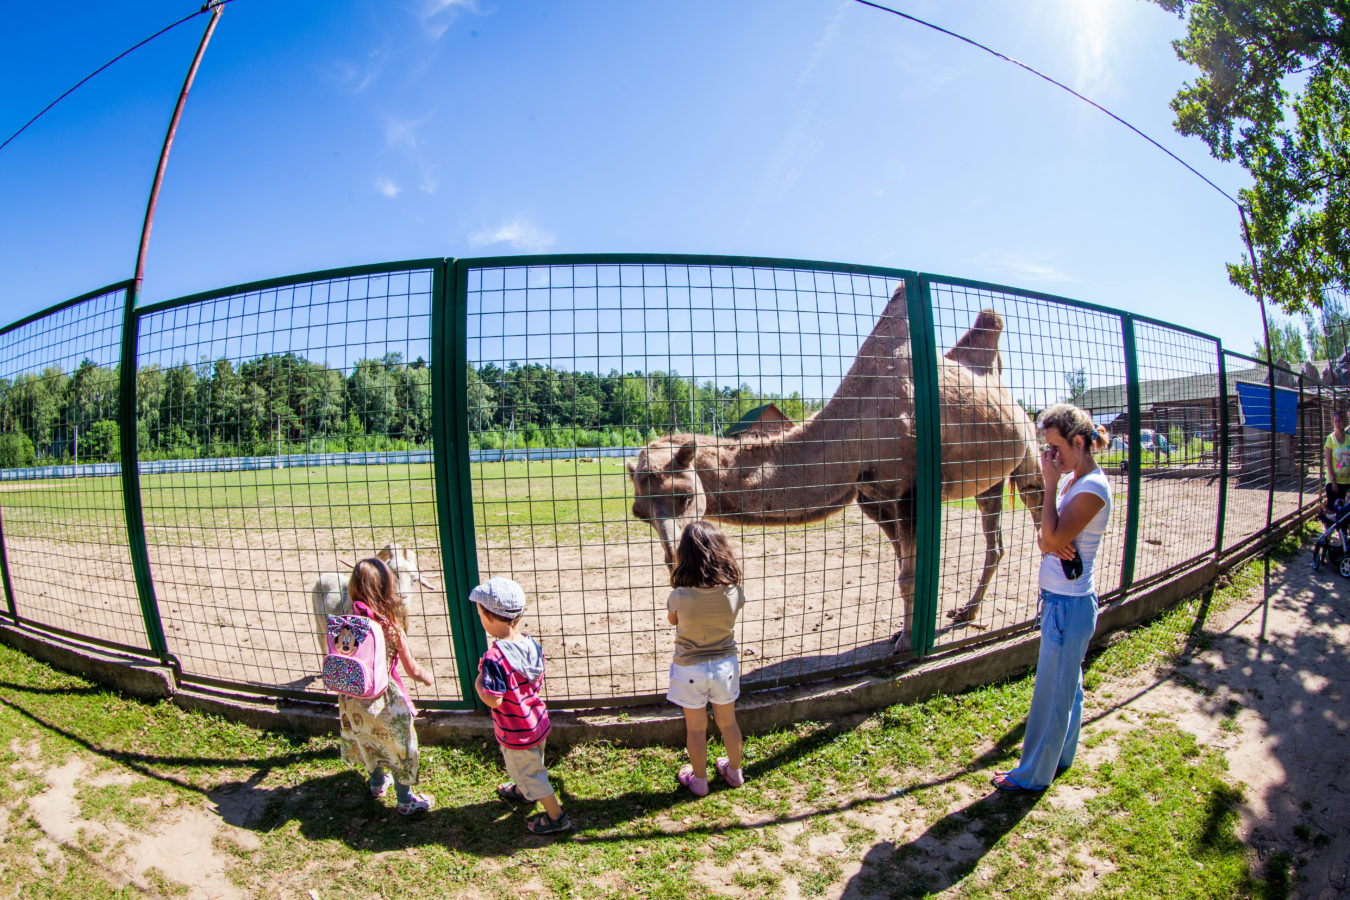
(1254, 400)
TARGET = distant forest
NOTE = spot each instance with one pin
(283, 403)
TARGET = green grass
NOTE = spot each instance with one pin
(1160, 806)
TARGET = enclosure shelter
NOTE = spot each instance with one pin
(766, 419)
(176, 477)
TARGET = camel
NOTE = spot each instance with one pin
(860, 448)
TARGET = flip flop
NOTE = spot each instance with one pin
(1002, 782)
(511, 793)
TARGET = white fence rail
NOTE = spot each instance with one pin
(301, 461)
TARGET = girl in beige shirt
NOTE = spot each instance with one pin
(703, 609)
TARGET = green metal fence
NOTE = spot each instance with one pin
(179, 478)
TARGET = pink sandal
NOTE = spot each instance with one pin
(697, 786)
(733, 777)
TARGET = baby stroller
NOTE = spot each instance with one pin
(1334, 554)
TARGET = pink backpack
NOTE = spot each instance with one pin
(356, 664)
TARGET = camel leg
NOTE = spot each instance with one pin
(1026, 478)
(896, 520)
(990, 503)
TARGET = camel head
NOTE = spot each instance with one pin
(667, 493)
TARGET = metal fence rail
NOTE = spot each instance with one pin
(234, 554)
(863, 435)
(67, 563)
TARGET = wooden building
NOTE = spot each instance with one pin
(766, 419)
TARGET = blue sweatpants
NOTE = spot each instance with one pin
(1067, 624)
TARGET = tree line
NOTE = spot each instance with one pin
(284, 403)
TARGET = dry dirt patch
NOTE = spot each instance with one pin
(178, 848)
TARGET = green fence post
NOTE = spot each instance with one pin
(131, 480)
(450, 461)
(928, 453)
(1223, 454)
(1302, 438)
(4, 574)
(1136, 452)
(1274, 451)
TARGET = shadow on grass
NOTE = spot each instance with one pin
(149, 764)
(944, 854)
(339, 807)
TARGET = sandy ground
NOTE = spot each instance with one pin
(823, 597)
(1276, 665)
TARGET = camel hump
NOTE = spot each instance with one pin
(977, 349)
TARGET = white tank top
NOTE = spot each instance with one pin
(1052, 571)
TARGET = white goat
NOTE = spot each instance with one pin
(329, 593)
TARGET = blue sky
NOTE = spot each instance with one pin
(324, 134)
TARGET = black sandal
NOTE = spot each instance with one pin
(542, 824)
(511, 793)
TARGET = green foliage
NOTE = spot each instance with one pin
(1273, 93)
(101, 442)
(283, 404)
(16, 450)
(1328, 329)
(1077, 384)
(1286, 342)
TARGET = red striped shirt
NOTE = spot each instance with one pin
(522, 718)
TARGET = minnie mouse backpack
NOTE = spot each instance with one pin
(356, 665)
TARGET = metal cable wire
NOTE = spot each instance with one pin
(1059, 84)
(167, 28)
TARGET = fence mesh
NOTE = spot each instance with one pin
(1250, 479)
(1049, 352)
(1179, 459)
(602, 360)
(309, 405)
(284, 430)
(66, 537)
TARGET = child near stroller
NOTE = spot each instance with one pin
(1329, 552)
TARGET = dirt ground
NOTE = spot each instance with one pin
(823, 597)
(1275, 664)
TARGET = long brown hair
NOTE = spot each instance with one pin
(373, 584)
(704, 558)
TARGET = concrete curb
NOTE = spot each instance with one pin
(952, 672)
(132, 675)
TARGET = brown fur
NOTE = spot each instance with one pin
(859, 448)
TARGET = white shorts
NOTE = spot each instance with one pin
(716, 681)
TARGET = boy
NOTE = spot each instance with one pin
(509, 676)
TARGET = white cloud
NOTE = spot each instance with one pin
(436, 16)
(1035, 271)
(519, 233)
(387, 187)
(359, 75)
(405, 136)
(821, 45)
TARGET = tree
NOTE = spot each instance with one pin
(1286, 343)
(1077, 384)
(1329, 329)
(16, 450)
(1274, 93)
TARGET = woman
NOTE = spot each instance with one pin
(1072, 522)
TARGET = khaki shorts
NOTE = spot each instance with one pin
(525, 765)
